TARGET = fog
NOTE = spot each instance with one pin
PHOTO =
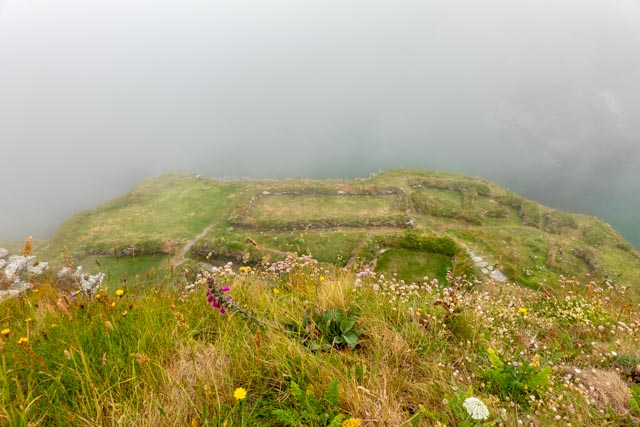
(540, 96)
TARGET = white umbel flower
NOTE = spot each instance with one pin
(476, 408)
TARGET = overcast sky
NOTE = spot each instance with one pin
(541, 96)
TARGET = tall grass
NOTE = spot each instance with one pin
(162, 356)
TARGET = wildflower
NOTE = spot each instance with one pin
(113, 304)
(535, 361)
(28, 319)
(240, 393)
(120, 292)
(5, 332)
(23, 340)
(523, 310)
(276, 291)
(215, 295)
(351, 422)
(476, 408)
(322, 278)
(244, 268)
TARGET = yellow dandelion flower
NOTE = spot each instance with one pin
(120, 292)
(352, 422)
(523, 310)
(113, 304)
(276, 291)
(244, 268)
(23, 340)
(5, 332)
(322, 278)
(240, 393)
(536, 360)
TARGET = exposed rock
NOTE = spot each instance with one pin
(2, 263)
(498, 276)
(3, 253)
(38, 268)
(9, 293)
(90, 284)
(16, 265)
(64, 272)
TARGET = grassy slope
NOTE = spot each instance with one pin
(532, 243)
(161, 356)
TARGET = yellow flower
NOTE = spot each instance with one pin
(244, 268)
(240, 393)
(351, 422)
(28, 319)
(5, 332)
(113, 304)
(322, 278)
(23, 340)
(276, 291)
(536, 360)
(120, 292)
(523, 310)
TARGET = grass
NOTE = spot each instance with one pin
(130, 271)
(330, 246)
(413, 266)
(162, 356)
(532, 242)
(171, 208)
(316, 208)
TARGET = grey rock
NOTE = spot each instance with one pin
(482, 264)
(64, 272)
(21, 285)
(2, 263)
(15, 266)
(38, 268)
(90, 284)
(498, 276)
(9, 293)
(3, 253)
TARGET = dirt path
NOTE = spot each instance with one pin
(180, 257)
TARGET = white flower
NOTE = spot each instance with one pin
(476, 408)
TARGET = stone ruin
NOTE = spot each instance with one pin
(16, 272)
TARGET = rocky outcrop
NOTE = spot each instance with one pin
(89, 284)
(17, 273)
